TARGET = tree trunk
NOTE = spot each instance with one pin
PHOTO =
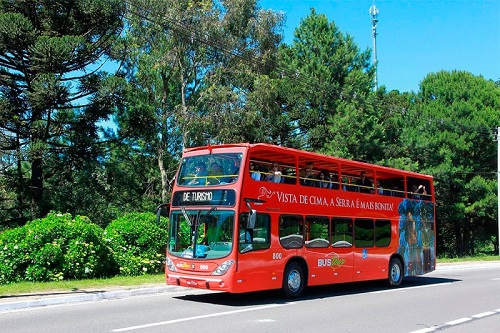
(36, 187)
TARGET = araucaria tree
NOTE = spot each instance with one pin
(52, 91)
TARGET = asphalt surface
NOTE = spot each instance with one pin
(25, 301)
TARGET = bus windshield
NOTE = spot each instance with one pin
(209, 169)
(202, 234)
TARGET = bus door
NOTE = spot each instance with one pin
(256, 267)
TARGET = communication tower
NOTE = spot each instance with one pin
(374, 16)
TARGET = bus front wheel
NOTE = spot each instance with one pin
(293, 280)
(395, 272)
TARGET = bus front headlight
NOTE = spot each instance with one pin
(170, 265)
(223, 268)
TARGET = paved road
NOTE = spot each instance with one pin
(455, 298)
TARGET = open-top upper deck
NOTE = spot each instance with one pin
(266, 162)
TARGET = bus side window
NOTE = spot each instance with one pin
(291, 231)
(317, 231)
(257, 238)
(364, 231)
(382, 233)
(341, 232)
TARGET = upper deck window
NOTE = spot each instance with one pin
(209, 169)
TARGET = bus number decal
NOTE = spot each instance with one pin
(204, 267)
(277, 256)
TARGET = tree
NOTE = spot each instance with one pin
(326, 87)
(188, 67)
(449, 131)
(394, 109)
(52, 90)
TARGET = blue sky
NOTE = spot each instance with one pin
(415, 37)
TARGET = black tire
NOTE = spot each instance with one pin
(293, 280)
(396, 272)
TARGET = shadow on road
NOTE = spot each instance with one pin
(311, 293)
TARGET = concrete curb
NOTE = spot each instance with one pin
(87, 297)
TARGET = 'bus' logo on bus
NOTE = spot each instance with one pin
(334, 262)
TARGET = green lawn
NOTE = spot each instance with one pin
(63, 286)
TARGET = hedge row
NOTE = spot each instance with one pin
(60, 247)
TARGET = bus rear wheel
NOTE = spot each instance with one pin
(395, 272)
(293, 280)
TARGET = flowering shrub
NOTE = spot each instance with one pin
(137, 243)
(14, 255)
(56, 247)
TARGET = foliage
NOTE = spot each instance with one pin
(327, 90)
(52, 96)
(137, 243)
(449, 131)
(57, 247)
(185, 76)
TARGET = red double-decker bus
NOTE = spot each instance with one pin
(249, 217)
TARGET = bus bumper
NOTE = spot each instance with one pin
(198, 282)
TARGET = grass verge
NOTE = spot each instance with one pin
(74, 285)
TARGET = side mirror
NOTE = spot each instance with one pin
(252, 217)
(164, 207)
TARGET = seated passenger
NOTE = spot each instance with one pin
(215, 174)
(418, 191)
(349, 186)
(364, 184)
(200, 177)
(236, 170)
(307, 175)
(274, 174)
(324, 180)
(254, 174)
(335, 181)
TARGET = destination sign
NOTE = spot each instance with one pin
(208, 197)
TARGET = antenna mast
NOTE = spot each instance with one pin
(374, 16)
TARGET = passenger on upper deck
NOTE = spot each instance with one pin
(324, 180)
(254, 174)
(274, 174)
(364, 184)
(307, 176)
(215, 174)
(200, 177)
(235, 171)
(418, 191)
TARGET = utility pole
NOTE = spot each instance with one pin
(374, 15)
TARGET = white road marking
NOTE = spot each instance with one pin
(457, 322)
(426, 330)
(168, 322)
(484, 314)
